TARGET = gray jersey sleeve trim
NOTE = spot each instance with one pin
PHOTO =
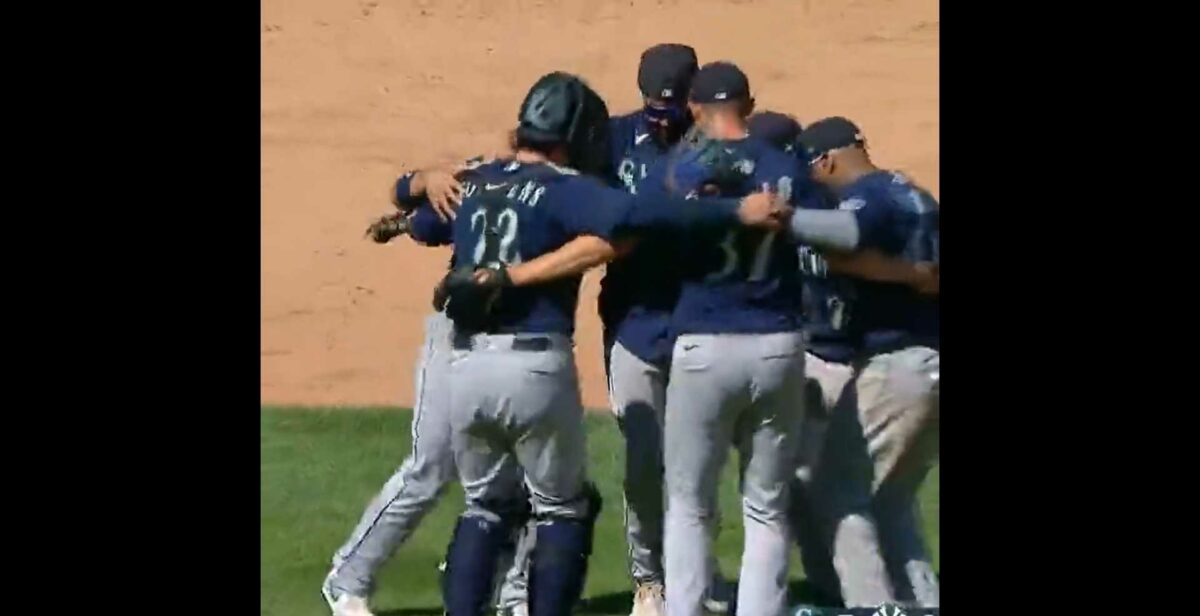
(836, 229)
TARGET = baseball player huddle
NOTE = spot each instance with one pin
(767, 289)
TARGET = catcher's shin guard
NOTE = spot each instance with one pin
(560, 560)
(471, 565)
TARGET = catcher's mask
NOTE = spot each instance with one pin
(561, 108)
(668, 122)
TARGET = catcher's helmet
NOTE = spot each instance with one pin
(561, 108)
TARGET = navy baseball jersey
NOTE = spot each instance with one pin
(739, 280)
(633, 150)
(639, 291)
(898, 219)
(513, 212)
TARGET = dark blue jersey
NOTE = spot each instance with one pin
(738, 280)
(900, 220)
(514, 212)
(639, 291)
(824, 304)
(633, 150)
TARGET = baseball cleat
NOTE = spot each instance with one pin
(649, 600)
(343, 604)
(719, 596)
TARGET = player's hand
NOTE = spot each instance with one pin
(927, 280)
(444, 192)
(765, 210)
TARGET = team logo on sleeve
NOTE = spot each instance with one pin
(744, 166)
(853, 203)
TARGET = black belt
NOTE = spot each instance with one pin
(461, 341)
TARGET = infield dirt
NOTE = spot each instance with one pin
(354, 92)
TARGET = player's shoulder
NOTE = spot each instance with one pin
(626, 130)
(625, 122)
(909, 195)
(483, 167)
(891, 189)
(769, 162)
(885, 189)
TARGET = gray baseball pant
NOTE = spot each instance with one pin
(414, 488)
(745, 391)
(882, 436)
(638, 392)
(516, 406)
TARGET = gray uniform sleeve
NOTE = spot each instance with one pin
(836, 229)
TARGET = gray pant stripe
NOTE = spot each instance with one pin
(417, 412)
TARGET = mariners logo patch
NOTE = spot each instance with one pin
(744, 166)
(853, 203)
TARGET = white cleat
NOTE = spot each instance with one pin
(719, 595)
(343, 604)
(349, 605)
(649, 600)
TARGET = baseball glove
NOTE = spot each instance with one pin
(387, 227)
(703, 166)
(470, 296)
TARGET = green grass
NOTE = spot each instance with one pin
(320, 468)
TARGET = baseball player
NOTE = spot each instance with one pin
(825, 378)
(636, 298)
(414, 488)
(516, 399)
(737, 363)
(515, 403)
(874, 355)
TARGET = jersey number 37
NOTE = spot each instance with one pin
(741, 251)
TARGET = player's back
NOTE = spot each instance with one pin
(741, 280)
(899, 219)
(513, 212)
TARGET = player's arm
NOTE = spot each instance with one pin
(873, 265)
(575, 257)
(655, 208)
(439, 185)
(427, 226)
(827, 229)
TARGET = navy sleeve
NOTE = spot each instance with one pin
(657, 208)
(874, 218)
(672, 213)
(427, 228)
(584, 206)
(402, 190)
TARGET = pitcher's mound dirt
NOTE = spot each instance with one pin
(355, 92)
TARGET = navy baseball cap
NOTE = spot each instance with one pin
(718, 82)
(777, 129)
(829, 134)
(666, 71)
